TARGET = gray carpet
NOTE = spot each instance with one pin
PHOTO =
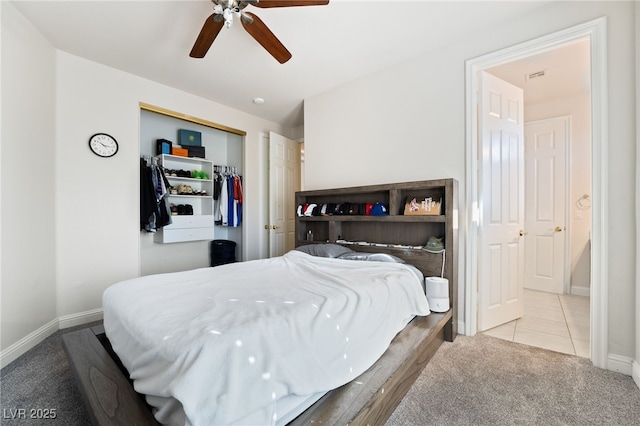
(482, 380)
(473, 381)
(41, 380)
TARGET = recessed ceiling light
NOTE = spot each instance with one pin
(258, 101)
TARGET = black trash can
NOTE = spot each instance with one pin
(222, 251)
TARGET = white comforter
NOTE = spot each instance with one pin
(219, 346)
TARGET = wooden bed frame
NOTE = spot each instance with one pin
(368, 400)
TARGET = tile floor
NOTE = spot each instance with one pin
(558, 322)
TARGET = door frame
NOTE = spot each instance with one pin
(596, 31)
(292, 183)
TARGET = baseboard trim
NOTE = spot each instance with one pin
(621, 364)
(635, 372)
(73, 320)
(19, 348)
(577, 290)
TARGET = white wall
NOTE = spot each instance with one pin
(408, 123)
(102, 230)
(28, 179)
(70, 224)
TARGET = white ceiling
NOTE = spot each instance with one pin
(567, 73)
(331, 45)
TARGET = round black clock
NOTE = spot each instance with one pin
(103, 145)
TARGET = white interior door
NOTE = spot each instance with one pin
(284, 181)
(501, 231)
(545, 218)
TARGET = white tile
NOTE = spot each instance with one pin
(582, 347)
(572, 298)
(541, 299)
(545, 341)
(504, 331)
(575, 304)
(544, 313)
(579, 332)
(577, 319)
(543, 325)
(556, 322)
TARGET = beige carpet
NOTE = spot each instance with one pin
(482, 380)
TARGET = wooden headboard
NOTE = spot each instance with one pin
(402, 235)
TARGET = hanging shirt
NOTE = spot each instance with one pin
(237, 188)
(224, 202)
(154, 209)
(231, 203)
(237, 192)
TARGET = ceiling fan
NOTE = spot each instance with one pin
(223, 11)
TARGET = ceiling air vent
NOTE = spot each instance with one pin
(537, 74)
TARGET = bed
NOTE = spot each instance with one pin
(295, 286)
(362, 395)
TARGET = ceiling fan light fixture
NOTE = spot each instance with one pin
(228, 17)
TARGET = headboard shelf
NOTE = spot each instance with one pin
(396, 228)
(360, 218)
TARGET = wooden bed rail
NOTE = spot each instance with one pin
(106, 391)
(368, 400)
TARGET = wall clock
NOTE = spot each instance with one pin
(103, 145)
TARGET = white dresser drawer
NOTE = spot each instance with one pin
(183, 234)
(190, 221)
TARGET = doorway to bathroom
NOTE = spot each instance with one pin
(577, 207)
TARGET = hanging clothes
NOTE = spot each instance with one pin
(227, 197)
(231, 210)
(154, 208)
(224, 202)
(217, 190)
(237, 193)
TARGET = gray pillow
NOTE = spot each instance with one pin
(324, 250)
(376, 257)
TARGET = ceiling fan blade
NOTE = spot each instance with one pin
(208, 33)
(289, 3)
(266, 38)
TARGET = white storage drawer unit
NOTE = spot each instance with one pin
(200, 225)
(186, 228)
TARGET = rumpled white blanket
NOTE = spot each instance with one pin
(219, 346)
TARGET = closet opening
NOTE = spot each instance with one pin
(195, 178)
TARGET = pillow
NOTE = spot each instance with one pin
(376, 257)
(324, 250)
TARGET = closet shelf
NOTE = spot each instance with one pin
(204, 197)
(186, 179)
(199, 225)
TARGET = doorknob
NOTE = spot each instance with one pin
(274, 227)
(558, 229)
(522, 233)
